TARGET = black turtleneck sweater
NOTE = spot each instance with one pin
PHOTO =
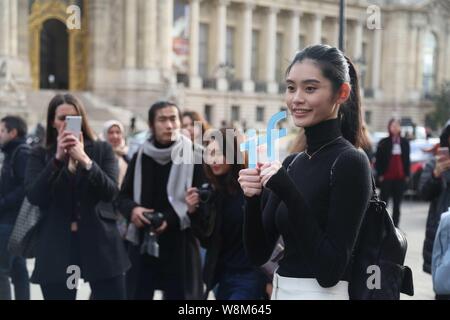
(318, 214)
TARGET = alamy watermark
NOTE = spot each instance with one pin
(73, 22)
(73, 281)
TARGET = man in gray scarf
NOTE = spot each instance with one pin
(164, 257)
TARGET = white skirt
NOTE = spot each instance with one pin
(306, 289)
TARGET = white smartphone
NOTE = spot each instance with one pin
(74, 125)
(443, 152)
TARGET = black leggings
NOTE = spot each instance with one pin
(108, 289)
(394, 189)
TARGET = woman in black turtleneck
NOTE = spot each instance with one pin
(317, 213)
(218, 224)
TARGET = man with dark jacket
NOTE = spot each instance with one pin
(164, 256)
(12, 142)
(393, 167)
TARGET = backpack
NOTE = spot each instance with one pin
(440, 264)
(380, 250)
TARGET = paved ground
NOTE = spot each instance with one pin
(413, 224)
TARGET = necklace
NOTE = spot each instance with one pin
(325, 145)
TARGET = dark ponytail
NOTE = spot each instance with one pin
(350, 111)
(338, 69)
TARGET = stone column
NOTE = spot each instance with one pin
(5, 14)
(412, 60)
(195, 82)
(317, 31)
(131, 34)
(97, 41)
(166, 37)
(221, 38)
(294, 33)
(419, 55)
(358, 40)
(150, 27)
(376, 61)
(247, 32)
(336, 32)
(447, 54)
(14, 38)
(270, 49)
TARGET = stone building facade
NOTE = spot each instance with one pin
(223, 58)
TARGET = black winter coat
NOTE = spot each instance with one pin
(102, 251)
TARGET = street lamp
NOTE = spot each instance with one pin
(342, 25)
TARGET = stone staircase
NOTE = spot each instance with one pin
(99, 111)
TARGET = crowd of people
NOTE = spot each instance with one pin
(146, 223)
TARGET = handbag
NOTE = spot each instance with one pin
(24, 235)
(271, 266)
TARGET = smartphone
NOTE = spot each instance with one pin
(444, 152)
(74, 125)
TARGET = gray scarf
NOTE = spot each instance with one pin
(182, 156)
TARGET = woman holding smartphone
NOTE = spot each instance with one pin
(318, 213)
(73, 181)
(434, 187)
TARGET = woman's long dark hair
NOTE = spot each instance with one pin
(231, 184)
(338, 68)
(58, 100)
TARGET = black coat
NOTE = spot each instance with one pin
(384, 153)
(102, 251)
(12, 178)
(438, 193)
(186, 259)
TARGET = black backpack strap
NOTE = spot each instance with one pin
(374, 188)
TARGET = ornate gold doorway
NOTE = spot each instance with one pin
(47, 40)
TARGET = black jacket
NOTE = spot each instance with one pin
(102, 251)
(185, 260)
(384, 153)
(12, 177)
(207, 223)
(438, 193)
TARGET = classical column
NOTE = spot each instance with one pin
(294, 33)
(412, 59)
(317, 31)
(245, 72)
(447, 54)
(5, 14)
(221, 38)
(336, 32)
(14, 38)
(166, 37)
(150, 35)
(270, 57)
(195, 82)
(376, 61)
(131, 34)
(97, 41)
(358, 40)
(420, 56)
